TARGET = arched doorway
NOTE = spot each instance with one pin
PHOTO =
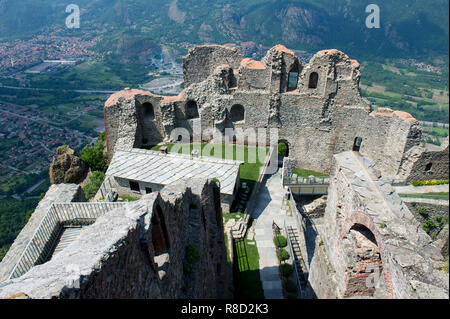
(357, 144)
(191, 110)
(148, 111)
(363, 272)
(313, 80)
(237, 113)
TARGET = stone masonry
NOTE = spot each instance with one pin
(61, 193)
(369, 244)
(141, 251)
(320, 115)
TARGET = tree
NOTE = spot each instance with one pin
(95, 181)
(95, 156)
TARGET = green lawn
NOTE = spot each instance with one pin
(247, 281)
(249, 171)
(440, 196)
(306, 173)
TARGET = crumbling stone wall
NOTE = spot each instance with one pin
(410, 266)
(320, 117)
(60, 193)
(420, 164)
(117, 257)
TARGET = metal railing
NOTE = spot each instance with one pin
(309, 181)
(58, 216)
(296, 270)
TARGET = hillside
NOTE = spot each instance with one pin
(409, 28)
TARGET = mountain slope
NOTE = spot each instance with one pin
(408, 27)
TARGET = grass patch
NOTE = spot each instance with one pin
(249, 171)
(247, 281)
(307, 173)
(129, 198)
(439, 196)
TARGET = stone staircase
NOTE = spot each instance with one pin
(292, 233)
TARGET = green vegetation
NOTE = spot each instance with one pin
(432, 182)
(282, 148)
(249, 171)
(13, 216)
(129, 198)
(439, 196)
(428, 226)
(247, 281)
(283, 254)
(290, 286)
(263, 24)
(306, 173)
(95, 156)
(193, 255)
(445, 266)
(280, 241)
(286, 270)
(399, 85)
(95, 181)
(382, 225)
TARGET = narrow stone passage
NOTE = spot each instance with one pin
(269, 209)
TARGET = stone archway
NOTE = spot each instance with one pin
(364, 267)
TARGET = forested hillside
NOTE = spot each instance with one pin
(408, 27)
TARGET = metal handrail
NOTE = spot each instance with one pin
(39, 246)
(291, 251)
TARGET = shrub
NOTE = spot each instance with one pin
(432, 182)
(445, 267)
(290, 286)
(282, 148)
(423, 212)
(94, 156)
(428, 226)
(283, 254)
(95, 181)
(280, 241)
(286, 270)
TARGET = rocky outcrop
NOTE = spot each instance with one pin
(67, 167)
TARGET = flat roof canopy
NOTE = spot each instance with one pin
(164, 169)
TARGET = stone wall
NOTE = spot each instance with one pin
(317, 120)
(420, 164)
(60, 193)
(141, 251)
(362, 204)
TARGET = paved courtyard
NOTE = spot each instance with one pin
(269, 208)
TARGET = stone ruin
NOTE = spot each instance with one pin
(144, 249)
(317, 108)
(140, 250)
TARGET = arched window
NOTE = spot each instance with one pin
(313, 80)
(149, 112)
(191, 110)
(357, 144)
(237, 113)
(160, 238)
(293, 78)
